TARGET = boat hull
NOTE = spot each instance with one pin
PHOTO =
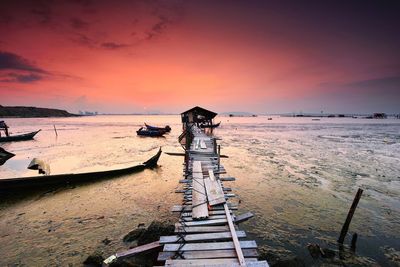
(71, 178)
(19, 137)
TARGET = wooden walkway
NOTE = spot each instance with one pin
(207, 233)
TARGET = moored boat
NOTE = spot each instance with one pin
(63, 179)
(18, 137)
(166, 128)
(147, 132)
(210, 125)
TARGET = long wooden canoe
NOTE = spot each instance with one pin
(18, 137)
(60, 179)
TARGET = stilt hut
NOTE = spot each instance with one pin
(198, 116)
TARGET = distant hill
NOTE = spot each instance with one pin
(32, 112)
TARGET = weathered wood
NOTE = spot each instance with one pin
(179, 208)
(235, 239)
(206, 262)
(199, 193)
(204, 222)
(215, 194)
(132, 252)
(202, 144)
(201, 229)
(207, 254)
(346, 224)
(209, 246)
(210, 212)
(227, 179)
(243, 217)
(212, 217)
(201, 237)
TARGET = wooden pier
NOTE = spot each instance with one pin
(207, 233)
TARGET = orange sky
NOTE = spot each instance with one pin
(141, 56)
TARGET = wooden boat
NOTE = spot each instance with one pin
(166, 128)
(18, 137)
(210, 126)
(63, 179)
(147, 132)
(5, 155)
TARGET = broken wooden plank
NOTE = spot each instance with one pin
(186, 208)
(199, 209)
(209, 246)
(243, 217)
(207, 254)
(203, 222)
(206, 262)
(212, 217)
(201, 229)
(227, 179)
(215, 194)
(132, 252)
(201, 237)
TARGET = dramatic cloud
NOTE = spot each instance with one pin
(21, 78)
(112, 45)
(11, 61)
(78, 23)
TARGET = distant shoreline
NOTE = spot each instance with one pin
(33, 112)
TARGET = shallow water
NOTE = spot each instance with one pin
(298, 176)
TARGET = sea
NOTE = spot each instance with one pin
(298, 176)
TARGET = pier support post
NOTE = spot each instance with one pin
(346, 224)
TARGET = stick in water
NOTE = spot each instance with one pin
(55, 129)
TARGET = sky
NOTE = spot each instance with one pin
(167, 56)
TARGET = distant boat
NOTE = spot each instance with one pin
(210, 125)
(270, 119)
(18, 137)
(45, 180)
(316, 119)
(166, 128)
(147, 132)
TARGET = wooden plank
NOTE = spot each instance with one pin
(137, 250)
(206, 262)
(215, 194)
(202, 144)
(210, 212)
(201, 229)
(212, 217)
(209, 246)
(203, 222)
(243, 217)
(207, 254)
(178, 208)
(227, 179)
(201, 237)
(236, 242)
(200, 209)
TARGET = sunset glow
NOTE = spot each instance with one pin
(166, 56)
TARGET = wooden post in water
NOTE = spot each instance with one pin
(346, 224)
(55, 130)
(219, 156)
(353, 242)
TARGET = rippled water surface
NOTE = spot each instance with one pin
(298, 176)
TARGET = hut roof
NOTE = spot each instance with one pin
(202, 111)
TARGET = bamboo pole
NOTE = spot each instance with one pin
(346, 224)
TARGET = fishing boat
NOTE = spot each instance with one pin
(147, 132)
(5, 155)
(63, 179)
(18, 137)
(210, 125)
(166, 128)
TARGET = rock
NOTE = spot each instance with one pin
(315, 250)
(133, 235)
(327, 253)
(294, 262)
(106, 241)
(96, 259)
(154, 231)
